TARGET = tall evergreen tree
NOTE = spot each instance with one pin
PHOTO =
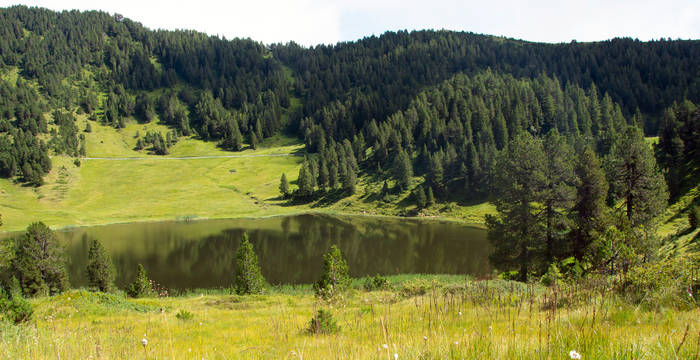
(40, 262)
(635, 178)
(516, 232)
(589, 207)
(284, 186)
(403, 170)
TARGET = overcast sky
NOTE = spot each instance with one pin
(311, 22)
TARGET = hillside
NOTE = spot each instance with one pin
(447, 101)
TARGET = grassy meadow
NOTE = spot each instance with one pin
(157, 188)
(419, 317)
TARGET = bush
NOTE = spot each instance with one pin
(377, 282)
(141, 287)
(694, 216)
(334, 275)
(100, 270)
(14, 308)
(323, 323)
(418, 287)
(184, 315)
(553, 276)
(249, 279)
(671, 283)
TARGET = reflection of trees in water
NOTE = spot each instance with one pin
(293, 252)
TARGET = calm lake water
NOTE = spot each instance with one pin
(290, 249)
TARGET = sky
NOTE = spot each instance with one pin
(312, 22)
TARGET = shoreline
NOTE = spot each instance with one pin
(446, 219)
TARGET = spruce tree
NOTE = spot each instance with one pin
(100, 270)
(249, 279)
(284, 186)
(430, 198)
(419, 196)
(403, 170)
(253, 141)
(350, 180)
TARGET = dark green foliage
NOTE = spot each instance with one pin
(40, 262)
(323, 323)
(334, 274)
(589, 207)
(14, 308)
(403, 170)
(284, 186)
(184, 315)
(516, 232)
(100, 269)
(430, 198)
(678, 146)
(249, 279)
(142, 285)
(635, 178)
(693, 216)
(419, 196)
(376, 282)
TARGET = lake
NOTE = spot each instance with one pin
(290, 249)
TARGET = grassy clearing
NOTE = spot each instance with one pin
(106, 191)
(449, 318)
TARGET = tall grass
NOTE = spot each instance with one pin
(417, 318)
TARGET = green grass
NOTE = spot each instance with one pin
(152, 189)
(453, 319)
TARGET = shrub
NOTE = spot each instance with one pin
(418, 287)
(672, 283)
(323, 323)
(14, 308)
(377, 282)
(249, 279)
(141, 287)
(694, 216)
(184, 315)
(553, 276)
(334, 275)
(100, 270)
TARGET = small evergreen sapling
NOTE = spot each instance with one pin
(334, 276)
(141, 287)
(249, 279)
(100, 270)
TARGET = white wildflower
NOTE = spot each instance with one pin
(574, 355)
(385, 346)
(425, 338)
(459, 313)
(144, 342)
(396, 356)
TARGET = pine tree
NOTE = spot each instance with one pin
(323, 175)
(589, 206)
(334, 274)
(557, 193)
(249, 279)
(430, 198)
(516, 232)
(100, 270)
(403, 170)
(284, 186)
(40, 262)
(635, 178)
(253, 141)
(350, 180)
(141, 287)
(419, 196)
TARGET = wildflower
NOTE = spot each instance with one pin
(144, 342)
(385, 346)
(456, 342)
(459, 313)
(294, 353)
(574, 355)
(425, 338)
(396, 356)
